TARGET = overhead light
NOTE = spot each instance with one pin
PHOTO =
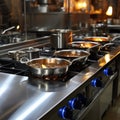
(109, 11)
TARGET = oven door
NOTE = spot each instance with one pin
(108, 93)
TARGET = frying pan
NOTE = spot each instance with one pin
(97, 39)
(86, 45)
(73, 54)
(48, 66)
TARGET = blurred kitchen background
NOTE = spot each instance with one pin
(35, 18)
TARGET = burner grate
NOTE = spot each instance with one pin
(13, 67)
(80, 66)
(53, 79)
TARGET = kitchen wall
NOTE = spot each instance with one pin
(16, 11)
(17, 16)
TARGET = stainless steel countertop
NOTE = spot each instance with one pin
(20, 100)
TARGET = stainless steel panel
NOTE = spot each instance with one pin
(24, 101)
(106, 99)
(93, 113)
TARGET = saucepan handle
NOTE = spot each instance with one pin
(24, 60)
(81, 59)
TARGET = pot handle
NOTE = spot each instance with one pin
(24, 60)
(77, 59)
(117, 37)
(106, 45)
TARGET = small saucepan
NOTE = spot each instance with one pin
(48, 66)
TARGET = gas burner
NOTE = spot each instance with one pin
(109, 47)
(36, 80)
(97, 56)
(52, 78)
(51, 83)
(47, 51)
(101, 53)
(94, 56)
(80, 66)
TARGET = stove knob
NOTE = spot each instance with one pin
(96, 82)
(75, 103)
(108, 71)
(78, 102)
(65, 113)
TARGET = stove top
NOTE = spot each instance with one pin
(15, 67)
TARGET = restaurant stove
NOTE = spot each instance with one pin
(80, 94)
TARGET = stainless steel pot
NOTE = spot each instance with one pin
(48, 66)
(46, 1)
(16, 54)
(60, 38)
(73, 54)
(32, 53)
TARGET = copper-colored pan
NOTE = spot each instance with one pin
(97, 39)
(86, 45)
